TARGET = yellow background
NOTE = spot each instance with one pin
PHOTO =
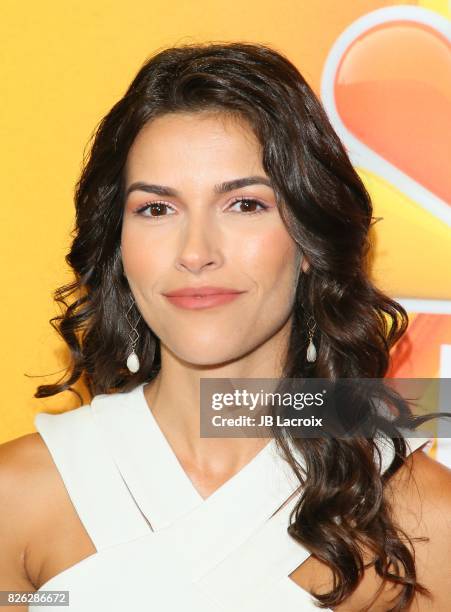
(63, 66)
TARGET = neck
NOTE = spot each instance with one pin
(174, 399)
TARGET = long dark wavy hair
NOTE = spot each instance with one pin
(328, 212)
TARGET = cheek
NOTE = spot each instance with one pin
(271, 258)
(141, 257)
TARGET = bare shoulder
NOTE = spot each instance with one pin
(420, 498)
(419, 495)
(27, 479)
(29, 446)
(425, 469)
(39, 523)
(25, 466)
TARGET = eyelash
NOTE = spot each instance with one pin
(147, 206)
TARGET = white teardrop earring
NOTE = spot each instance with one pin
(311, 349)
(132, 359)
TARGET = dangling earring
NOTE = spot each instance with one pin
(132, 359)
(311, 349)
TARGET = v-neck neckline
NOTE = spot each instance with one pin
(156, 479)
(172, 456)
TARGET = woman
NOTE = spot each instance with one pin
(219, 169)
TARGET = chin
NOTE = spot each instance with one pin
(205, 354)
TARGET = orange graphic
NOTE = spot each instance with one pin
(393, 92)
(387, 88)
(417, 354)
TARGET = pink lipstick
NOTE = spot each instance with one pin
(195, 298)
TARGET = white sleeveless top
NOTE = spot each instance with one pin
(160, 545)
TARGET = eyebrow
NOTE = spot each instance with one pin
(164, 190)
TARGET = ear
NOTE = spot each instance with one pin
(305, 265)
(123, 271)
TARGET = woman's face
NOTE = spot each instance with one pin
(193, 234)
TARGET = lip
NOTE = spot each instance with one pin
(196, 298)
(201, 291)
(197, 302)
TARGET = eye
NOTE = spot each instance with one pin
(249, 203)
(156, 209)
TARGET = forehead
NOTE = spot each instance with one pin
(191, 140)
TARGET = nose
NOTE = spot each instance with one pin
(199, 245)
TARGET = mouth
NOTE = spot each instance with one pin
(196, 299)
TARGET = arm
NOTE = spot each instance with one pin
(16, 512)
